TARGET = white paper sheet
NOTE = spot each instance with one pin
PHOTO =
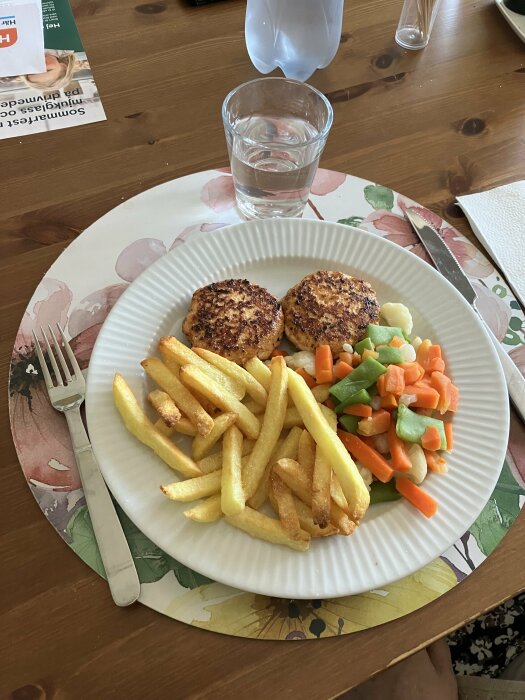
(21, 38)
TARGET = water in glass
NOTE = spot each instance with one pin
(272, 165)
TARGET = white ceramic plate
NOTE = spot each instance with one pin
(394, 539)
(516, 21)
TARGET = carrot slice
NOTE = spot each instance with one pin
(394, 380)
(346, 357)
(413, 371)
(342, 369)
(358, 409)
(279, 353)
(431, 439)
(368, 456)
(356, 359)
(435, 463)
(416, 496)
(307, 377)
(397, 342)
(424, 381)
(324, 365)
(380, 384)
(436, 365)
(377, 424)
(398, 453)
(388, 402)
(441, 384)
(426, 396)
(329, 403)
(454, 398)
(434, 351)
(422, 353)
(449, 434)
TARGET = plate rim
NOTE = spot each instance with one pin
(201, 241)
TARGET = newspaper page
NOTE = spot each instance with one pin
(65, 95)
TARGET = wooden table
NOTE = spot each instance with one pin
(431, 124)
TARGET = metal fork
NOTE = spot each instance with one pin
(67, 394)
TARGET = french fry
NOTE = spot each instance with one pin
(284, 448)
(232, 494)
(143, 429)
(174, 367)
(261, 526)
(206, 511)
(341, 520)
(259, 371)
(322, 477)
(321, 392)
(192, 489)
(185, 427)
(254, 407)
(182, 426)
(353, 486)
(292, 418)
(307, 522)
(184, 399)
(253, 388)
(336, 492)
(162, 428)
(194, 378)
(170, 363)
(202, 445)
(337, 495)
(213, 462)
(285, 503)
(272, 424)
(165, 407)
(293, 476)
(183, 355)
(306, 453)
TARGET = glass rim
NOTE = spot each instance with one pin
(320, 136)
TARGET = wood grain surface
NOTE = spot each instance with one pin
(431, 124)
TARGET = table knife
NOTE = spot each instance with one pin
(449, 267)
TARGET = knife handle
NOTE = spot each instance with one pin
(515, 380)
(114, 549)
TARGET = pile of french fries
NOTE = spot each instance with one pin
(259, 435)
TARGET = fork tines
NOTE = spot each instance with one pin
(55, 345)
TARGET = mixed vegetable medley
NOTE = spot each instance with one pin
(394, 403)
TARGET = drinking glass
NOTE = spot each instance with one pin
(276, 130)
(416, 22)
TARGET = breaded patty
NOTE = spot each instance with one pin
(328, 308)
(235, 319)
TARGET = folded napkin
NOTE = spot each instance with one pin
(497, 217)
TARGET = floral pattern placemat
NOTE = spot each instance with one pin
(79, 290)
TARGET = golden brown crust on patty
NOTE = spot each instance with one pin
(235, 319)
(328, 308)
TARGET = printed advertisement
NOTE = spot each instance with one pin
(65, 94)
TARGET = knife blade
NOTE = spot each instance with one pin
(449, 267)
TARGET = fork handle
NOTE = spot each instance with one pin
(114, 550)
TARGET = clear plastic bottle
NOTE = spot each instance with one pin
(297, 36)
